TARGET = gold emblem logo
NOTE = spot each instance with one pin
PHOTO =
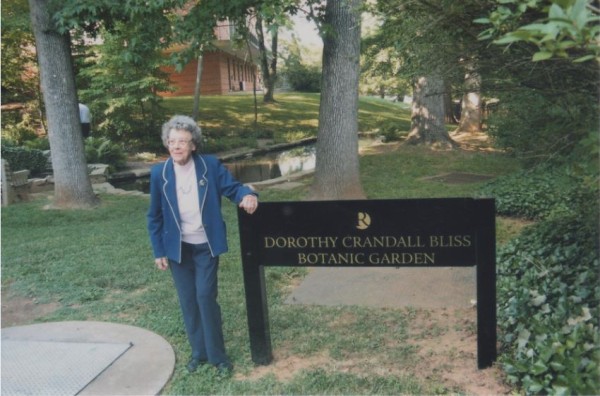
(364, 221)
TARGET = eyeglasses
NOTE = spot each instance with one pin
(178, 143)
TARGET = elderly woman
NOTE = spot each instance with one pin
(187, 233)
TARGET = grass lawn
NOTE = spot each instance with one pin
(228, 121)
(97, 265)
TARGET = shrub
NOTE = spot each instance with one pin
(23, 158)
(533, 193)
(19, 127)
(391, 132)
(548, 292)
(132, 114)
(41, 143)
(304, 78)
(103, 151)
(548, 305)
(18, 134)
(540, 115)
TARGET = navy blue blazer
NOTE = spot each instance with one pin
(164, 222)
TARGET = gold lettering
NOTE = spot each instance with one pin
(379, 241)
(331, 258)
(466, 240)
(401, 258)
(310, 242)
(383, 241)
(269, 242)
(450, 241)
(301, 258)
(424, 258)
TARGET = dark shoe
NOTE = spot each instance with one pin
(224, 368)
(194, 363)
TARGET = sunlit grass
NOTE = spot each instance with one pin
(292, 111)
(405, 172)
(228, 121)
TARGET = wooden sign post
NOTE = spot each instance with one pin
(453, 232)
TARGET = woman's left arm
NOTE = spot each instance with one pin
(243, 196)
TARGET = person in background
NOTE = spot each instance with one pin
(187, 233)
(85, 118)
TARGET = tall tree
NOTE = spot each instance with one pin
(268, 66)
(269, 16)
(428, 113)
(471, 111)
(337, 166)
(197, 87)
(72, 187)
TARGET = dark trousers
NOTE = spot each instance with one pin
(85, 129)
(195, 279)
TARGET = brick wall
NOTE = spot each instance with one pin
(221, 74)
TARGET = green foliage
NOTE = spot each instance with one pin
(301, 67)
(446, 33)
(548, 291)
(18, 126)
(124, 81)
(103, 151)
(545, 110)
(17, 41)
(304, 78)
(23, 158)
(532, 194)
(569, 28)
(392, 132)
(18, 134)
(548, 297)
(381, 68)
(40, 143)
(536, 125)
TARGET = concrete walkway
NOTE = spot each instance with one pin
(434, 287)
(84, 358)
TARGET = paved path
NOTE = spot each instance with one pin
(432, 287)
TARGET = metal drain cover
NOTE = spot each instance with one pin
(54, 368)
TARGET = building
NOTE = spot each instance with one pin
(225, 69)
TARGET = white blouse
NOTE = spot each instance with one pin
(189, 204)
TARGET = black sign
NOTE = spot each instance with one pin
(377, 233)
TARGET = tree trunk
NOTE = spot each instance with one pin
(470, 116)
(72, 187)
(197, 86)
(337, 168)
(448, 105)
(269, 69)
(428, 114)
